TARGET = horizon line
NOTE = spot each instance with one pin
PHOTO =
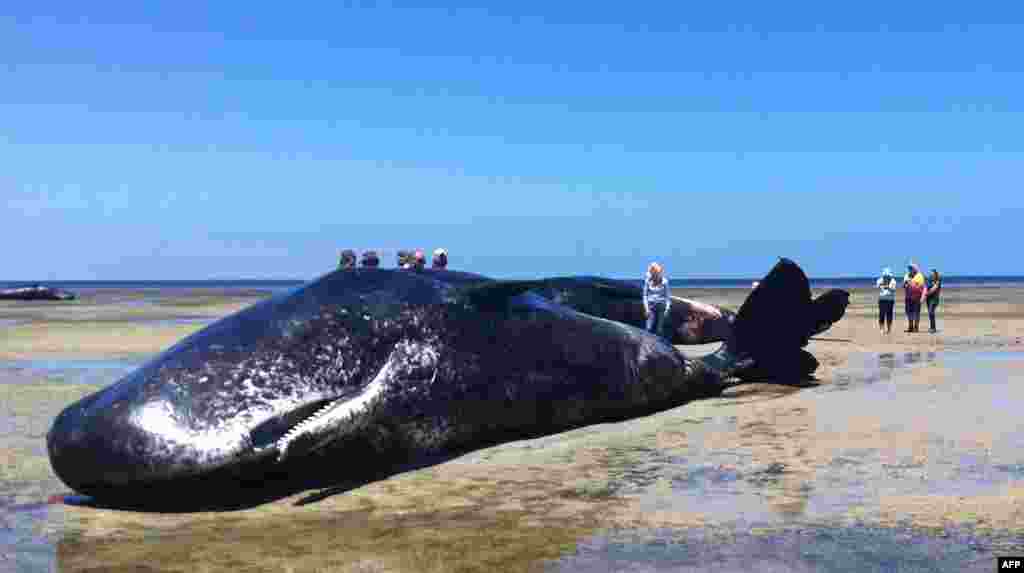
(304, 280)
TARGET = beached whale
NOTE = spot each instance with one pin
(36, 293)
(368, 371)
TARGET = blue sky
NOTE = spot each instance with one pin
(190, 141)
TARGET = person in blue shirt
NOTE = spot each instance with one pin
(657, 298)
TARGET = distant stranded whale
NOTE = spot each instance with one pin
(369, 370)
(36, 292)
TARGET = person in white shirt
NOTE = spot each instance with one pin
(886, 300)
(657, 299)
(440, 260)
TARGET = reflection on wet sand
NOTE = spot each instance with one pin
(423, 521)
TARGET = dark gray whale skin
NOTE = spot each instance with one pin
(36, 293)
(373, 369)
(690, 322)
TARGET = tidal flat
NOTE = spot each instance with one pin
(906, 452)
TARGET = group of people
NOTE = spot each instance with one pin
(918, 290)
(414, 260)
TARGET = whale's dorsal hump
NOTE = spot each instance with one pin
(496, 294)
(617, 290)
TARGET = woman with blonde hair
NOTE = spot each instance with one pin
(657, 298)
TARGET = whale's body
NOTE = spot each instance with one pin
(377, 369)
(36, 293)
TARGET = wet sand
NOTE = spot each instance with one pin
(907, 450)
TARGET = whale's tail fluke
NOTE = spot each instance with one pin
(777, 320)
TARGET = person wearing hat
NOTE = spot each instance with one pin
(440, 260)
(419, 261)
(348, 259)
(404, 259)
(914, 291)
(370, 260)
(657, 298)
(886, 300)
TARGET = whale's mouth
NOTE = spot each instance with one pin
(278, 430)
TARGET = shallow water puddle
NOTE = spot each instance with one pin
(868, 368)
(73, 371)
(198, 320)
(832, 549)
(903, 425)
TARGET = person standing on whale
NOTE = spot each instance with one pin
(347, 260)
(370, 260)
(657, 298)
(419, 260)
(440, 260)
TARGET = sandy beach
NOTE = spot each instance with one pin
(905, 448)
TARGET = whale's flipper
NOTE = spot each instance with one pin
(776, 320)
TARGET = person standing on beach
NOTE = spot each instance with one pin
(348, 259)
(657, 298)
(913, 294)
(886, 300)
(934, 289)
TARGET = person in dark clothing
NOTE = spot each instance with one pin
(348, 259)
(913, 289)
(370, 260)
(934, 290)
(886, 300)
(440, 260)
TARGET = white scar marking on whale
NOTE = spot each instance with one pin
(211, 446)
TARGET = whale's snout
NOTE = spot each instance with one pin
(103, 444)
(92, 451)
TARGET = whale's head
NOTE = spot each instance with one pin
(235, 392)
